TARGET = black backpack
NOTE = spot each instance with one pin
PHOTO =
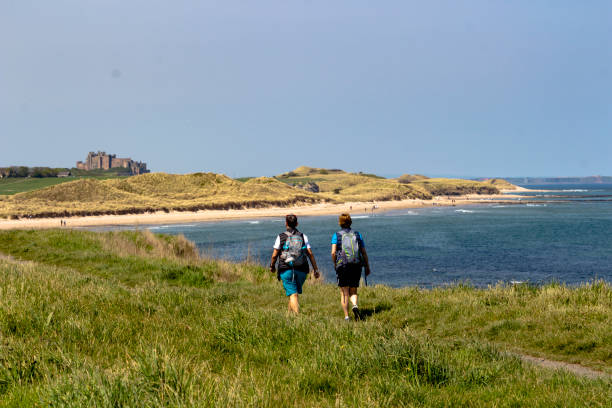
(293, 251)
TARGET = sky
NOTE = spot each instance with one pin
(470, 88)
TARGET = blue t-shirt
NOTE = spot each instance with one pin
(358, 235)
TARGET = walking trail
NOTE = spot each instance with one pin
(576, 369)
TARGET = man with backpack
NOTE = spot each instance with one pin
(292, 249)
(349, 256)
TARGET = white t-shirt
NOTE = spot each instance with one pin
(277, 244)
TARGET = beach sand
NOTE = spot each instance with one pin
(161, 217)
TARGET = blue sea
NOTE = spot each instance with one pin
(563, 235)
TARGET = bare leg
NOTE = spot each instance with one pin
(353, 295)
(344, 298)
(294, 305)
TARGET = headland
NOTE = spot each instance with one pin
(158, 198)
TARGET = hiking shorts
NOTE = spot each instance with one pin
(293, 281)
(348, 276)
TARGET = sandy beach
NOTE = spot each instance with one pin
(161, 217)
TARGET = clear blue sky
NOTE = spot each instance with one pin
(464, 88)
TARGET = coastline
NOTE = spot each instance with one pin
(178, 217)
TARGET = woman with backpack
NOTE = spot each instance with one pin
(349, 256)
(292, 249)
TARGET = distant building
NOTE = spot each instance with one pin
(103, 161)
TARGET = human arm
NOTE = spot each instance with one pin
(333, 254)
(273, 260)
(313, 262)
(366, 263)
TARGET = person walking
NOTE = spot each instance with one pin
(292, 250)
(349, 256)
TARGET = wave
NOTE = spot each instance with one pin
(464, 211)
(159, 227)
(360, 216)
(500, 206)
(575, 191)
(253, 222)
(172, 226)
(535, 205)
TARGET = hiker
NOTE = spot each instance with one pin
(292, 248)
(349, 256)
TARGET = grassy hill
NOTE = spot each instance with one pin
(130, 319)
(170, 192)
(339, 185)
(500, 184)
(150, 193)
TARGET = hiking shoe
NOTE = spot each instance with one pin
(347, 319)
(356, 313)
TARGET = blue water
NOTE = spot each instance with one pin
(560, 235)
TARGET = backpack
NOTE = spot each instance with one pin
(349, 253)
(293, 250)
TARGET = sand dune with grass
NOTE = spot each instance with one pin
(161, 198)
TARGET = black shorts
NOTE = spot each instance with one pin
(349, 275)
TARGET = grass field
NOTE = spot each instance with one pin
(10, 186)
(130, 319)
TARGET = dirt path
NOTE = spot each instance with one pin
(561, 365)
(7, 258)
(10, 259)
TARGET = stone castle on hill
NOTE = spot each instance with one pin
(103, 161)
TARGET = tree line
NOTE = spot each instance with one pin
(24, 171)
(42, 172)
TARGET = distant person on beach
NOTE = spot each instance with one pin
(291, 249)
(349, 256)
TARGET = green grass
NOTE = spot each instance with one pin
(10, 186)
(132, 319)
(101, 173)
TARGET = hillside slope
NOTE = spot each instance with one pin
(339, 185)
(152, 192)
(131, 319)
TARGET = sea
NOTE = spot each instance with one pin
(562, 234)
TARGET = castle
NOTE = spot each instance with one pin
(101, 160)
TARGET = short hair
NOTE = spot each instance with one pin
(345, 220)
(291, 220)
